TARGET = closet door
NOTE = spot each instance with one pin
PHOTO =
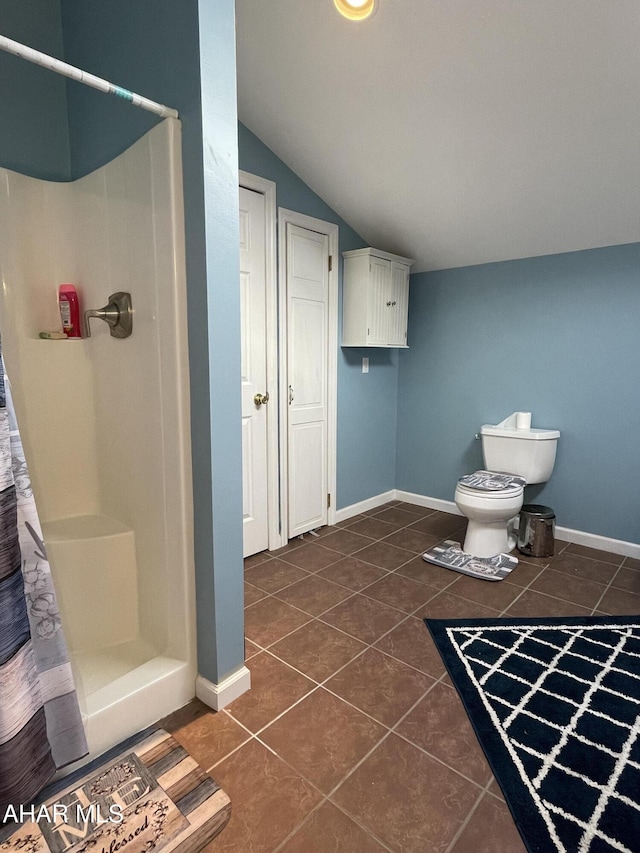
(307, 278)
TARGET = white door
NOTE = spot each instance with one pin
(254, 371)
(307, 281)
(399, 296)
(379, 300)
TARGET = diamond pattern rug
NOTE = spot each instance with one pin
(555, 704)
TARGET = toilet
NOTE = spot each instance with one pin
(514, 455)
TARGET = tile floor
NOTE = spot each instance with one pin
(352, 739)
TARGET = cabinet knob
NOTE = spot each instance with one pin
(388, 304)
(394, 303)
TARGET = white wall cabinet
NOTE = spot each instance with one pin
(375, 299)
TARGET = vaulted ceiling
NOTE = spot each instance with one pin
(455, 132)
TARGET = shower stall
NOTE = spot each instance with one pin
(105, 423)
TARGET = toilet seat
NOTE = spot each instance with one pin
(492, 485)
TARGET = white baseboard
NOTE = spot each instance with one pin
(365, 506)
(218, 696)
(431, 503)
(566, 534)
(602, 543)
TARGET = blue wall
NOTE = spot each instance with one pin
(557, 336)
(33, 102)
(155, 47)
(366, 402)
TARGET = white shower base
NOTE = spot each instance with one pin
(121, 673)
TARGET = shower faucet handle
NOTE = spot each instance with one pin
(117, 314)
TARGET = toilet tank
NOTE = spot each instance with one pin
(529, 453)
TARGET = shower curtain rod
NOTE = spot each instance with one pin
(66, 70)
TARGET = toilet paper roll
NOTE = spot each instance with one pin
(523, 420)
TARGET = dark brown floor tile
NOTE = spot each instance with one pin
(373, 528)
(400, 592)
(435, 576)
(311, 557)
(274, 575)
(314, 595)
(414, 509)
(290, 546)
(328, 830)
(363, 618)
(412, 540)
(631, 563)
(323, 738)
(628, 579)
(388, 505)
(352, 573)
(578, 590)
(189, 713)
(253, 594)
(250, 649)
(257, 559)
(395, 515)
(495, 594)
(317, 649)
(442, 524)
(595, 554)
(583, 567)
(620, 602)
(346, 541)
(206, 735)
(408, 799)
(327, 530)
(381, 686)
(448, 606)
(385, 556)
(353, 520)
(490, 830)
(411, 642)
(274, 688)
(440, 725)
(496, 790)
(269, 800)
(524, 572)
(270, 619)
(532, 604)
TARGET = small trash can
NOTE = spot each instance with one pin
(536, 530)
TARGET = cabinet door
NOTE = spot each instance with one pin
(399, 308)
(377, 299)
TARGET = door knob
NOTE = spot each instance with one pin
(261, 399)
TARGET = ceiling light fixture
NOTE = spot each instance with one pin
(356, 10)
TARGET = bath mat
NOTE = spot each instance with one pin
(148, 796)
(555, 704)
(450, 555)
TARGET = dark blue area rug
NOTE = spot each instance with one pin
(555, 704)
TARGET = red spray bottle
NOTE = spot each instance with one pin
(69, 310)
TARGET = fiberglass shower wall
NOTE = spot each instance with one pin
(105, 421)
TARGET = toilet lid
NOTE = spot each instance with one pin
(490, 481)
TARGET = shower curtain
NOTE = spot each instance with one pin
(40, 724)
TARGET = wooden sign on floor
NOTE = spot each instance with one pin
(151, 797)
